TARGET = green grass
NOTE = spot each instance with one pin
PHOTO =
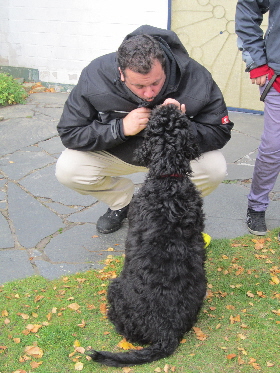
(239, 322)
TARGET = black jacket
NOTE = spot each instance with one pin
(92, 115)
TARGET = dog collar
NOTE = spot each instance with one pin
(173, 175)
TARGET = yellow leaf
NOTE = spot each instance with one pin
(79, 366)
(275, 280)
(241, 336)
(234, 319)
(166, 368)
(16, 340)
(250, 294)
(127, 370)
(76, 343)
(158, 370)
(4, 313)
(126, 345)
(269, 364)
(230, 307)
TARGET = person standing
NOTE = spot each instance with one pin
(261, 53)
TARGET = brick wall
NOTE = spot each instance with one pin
(59, 38)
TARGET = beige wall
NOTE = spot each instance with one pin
(207, 29)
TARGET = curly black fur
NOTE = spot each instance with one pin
(158, 295)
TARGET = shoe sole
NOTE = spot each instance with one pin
(257, 233)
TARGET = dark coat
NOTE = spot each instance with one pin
(92, 115)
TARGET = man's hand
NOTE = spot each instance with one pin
(260, 80)
(136, 121)
(175, 102)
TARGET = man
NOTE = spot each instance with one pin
(262, 58)
(105, 116)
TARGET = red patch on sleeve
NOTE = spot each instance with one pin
(225, 120)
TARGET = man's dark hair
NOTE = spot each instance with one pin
(139, 53)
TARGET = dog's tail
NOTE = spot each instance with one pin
(154, 352)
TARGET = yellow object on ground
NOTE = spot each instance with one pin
(207, 239)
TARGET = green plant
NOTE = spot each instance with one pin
(11, 92)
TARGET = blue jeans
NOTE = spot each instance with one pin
(267, 166)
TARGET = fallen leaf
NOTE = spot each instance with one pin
(269, 364)
(33, 328)
(34, 351)
(81, 350)
(38, 298)
(79, 366)
(158, 370)
(76, 343)
(234, 319)
(199, 334)
(81, 280)
(230, 307)
(4, 313)
(23, 315)
(126, 345)
(261, 294)
(74, 306)
(127, 370)
(166, 368)
(250, 294)
(241, 336)
(83, 324)
(275, 280)
(16, 340)
(35, 364)
(231, 356)
(103, 308)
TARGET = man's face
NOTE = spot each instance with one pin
(147, 86)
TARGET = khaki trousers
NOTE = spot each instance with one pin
(99, 174)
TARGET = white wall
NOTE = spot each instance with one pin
(60, 37)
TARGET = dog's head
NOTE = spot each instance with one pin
(168, 145)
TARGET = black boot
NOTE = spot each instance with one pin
(256, 222)
(111, 221)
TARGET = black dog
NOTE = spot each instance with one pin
(157, 297)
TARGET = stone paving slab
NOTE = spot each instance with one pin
(49, 230)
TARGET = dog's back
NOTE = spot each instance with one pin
(157, 297)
